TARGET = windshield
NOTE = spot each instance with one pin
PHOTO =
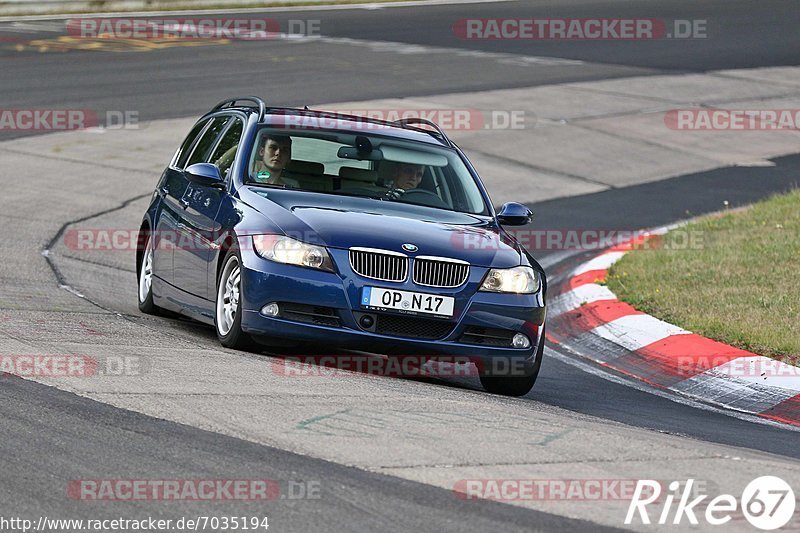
(362, 165)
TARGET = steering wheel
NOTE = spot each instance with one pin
(423, 197)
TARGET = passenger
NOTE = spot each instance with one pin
(274, 154)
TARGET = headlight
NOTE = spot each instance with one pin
(519, 280)
(283, 249)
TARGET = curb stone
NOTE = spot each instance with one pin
(620, 337)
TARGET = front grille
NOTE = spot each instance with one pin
(440, 272)
(382, 265)
(487, 336)
(414, 327)
(310, 314)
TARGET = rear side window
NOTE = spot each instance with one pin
(203, 146)
(186, 147)
(225, 152)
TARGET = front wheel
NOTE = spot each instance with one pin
(146, 304)
(229, 305)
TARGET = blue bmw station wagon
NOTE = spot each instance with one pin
(284, 226)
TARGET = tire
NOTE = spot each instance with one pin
(145, 281)
(515, 385)
(228, 305)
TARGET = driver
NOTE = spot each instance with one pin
(407, 176)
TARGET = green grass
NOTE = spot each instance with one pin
(738, 280)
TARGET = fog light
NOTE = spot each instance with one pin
(270, 310)
(366, 321)
(520, 341)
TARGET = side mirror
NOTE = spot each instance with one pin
(205, 174)
(514, 214)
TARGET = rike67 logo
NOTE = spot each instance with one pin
(767, 503)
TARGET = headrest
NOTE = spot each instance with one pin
(358, 174)
(305, 167)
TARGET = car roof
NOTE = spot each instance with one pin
(413, 129)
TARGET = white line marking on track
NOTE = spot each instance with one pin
(25, 27)
(518, 60)
(556, 257)
(601, 262)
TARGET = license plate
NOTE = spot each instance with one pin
(408, 302)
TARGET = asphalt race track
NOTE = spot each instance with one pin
(177, 82)
(384, 452)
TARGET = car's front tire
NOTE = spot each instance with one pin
(228, 321)
(145, 278)
(515, 385)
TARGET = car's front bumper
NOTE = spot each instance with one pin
(266, 281)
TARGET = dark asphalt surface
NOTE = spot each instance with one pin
(186, 81)
(50, 437)
(740, 34)
(663, 202)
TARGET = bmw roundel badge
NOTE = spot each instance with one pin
(408, 247)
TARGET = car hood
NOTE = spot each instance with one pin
(345, 222)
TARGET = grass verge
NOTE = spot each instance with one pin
(734, 278)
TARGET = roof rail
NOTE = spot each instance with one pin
(262, 107)
(410, 121)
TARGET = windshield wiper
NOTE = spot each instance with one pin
(269, 185)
